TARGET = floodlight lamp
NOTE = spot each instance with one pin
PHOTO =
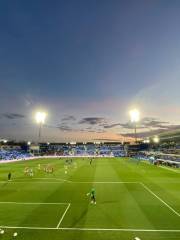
(40, 117)
(134, 115)
(146, 141)
(156, 139)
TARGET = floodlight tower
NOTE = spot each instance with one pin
(135, 116)
(40, 119)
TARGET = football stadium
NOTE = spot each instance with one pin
(89, 191)
(89, 120)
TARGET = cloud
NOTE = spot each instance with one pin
(13, 115)
(64, 125)
(65, 128)
(95, 130)
(145, 123)
(128, 125)
(157, 131)
(92, 121)
(107, 139)
(172, 128)
(112, 125)
(50, 126)
(146, 127)
(153, 123)
(68, 118)
(144, 133)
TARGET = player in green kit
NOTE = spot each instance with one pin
(92, 194)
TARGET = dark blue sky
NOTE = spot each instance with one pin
(87, 59)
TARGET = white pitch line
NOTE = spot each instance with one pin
(100, 182)
(93, 229)
(120, 229)
(30, 182)
(108, 182)
(34, 203)
(75, 182)
(59, 179)
(170, 169)
(70, 182)
(167, 205)
(60, 221)
(31, 228)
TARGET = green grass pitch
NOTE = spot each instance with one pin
(134, 199)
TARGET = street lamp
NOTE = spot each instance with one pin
(40, 119)
(135, 116)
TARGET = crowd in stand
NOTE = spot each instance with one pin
(64, 150)
(85, 150)
(13, 154)
(159, 158)
(93, 150)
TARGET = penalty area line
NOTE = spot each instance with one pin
(35, 203)
(67, 181)
(92, 229)
(60, 221)
(109, 182)
(121, 229)
(58, 179)
(160, 199)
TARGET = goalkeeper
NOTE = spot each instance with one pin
(92, 194)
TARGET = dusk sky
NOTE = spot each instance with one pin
(87, 63)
